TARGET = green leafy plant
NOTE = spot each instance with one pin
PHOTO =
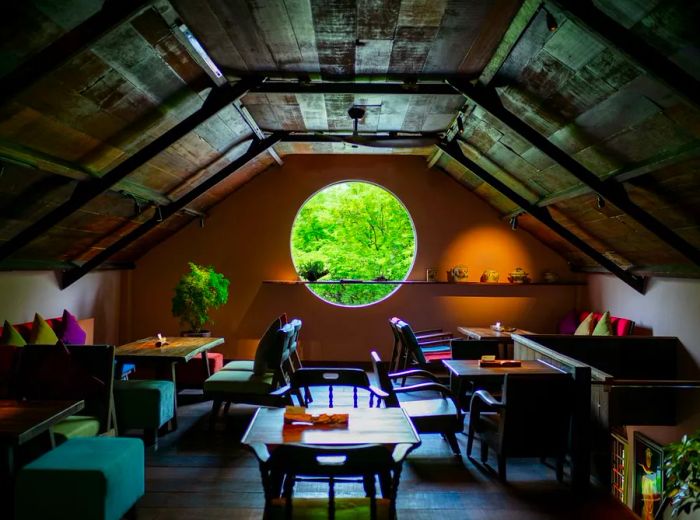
(682, 466)
(199, 291)
(313, 270)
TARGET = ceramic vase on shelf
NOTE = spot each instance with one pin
(489, 276)
(458, 273)
(518, 276)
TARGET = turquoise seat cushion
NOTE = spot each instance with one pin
(244, 364)
(76, 426)
(92, 478)
(239, 382)
(144, 403)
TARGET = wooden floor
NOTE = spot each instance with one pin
(198, 474)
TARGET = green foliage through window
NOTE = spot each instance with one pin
(355, 231)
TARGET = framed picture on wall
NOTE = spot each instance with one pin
(648, 476)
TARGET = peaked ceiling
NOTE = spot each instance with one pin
(115, 132)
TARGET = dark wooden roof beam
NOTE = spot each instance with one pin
(112, 14)
(256, 148)
(84, 193)
(635, 47)
(488, 99)
(376, 88)
(542, 214)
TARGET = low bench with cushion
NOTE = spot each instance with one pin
(145, 405)
(98, 478)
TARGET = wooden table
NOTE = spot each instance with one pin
(176, 350)
(503, 338)
(388, 426)
(22, 421)
(467, 371)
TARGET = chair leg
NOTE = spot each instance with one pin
(150, 436)
(560, 468)
(470, 440)
(227, 407)
(502, 467)
(452, 440)
(215, 407)
(131, 513)
(484, 451)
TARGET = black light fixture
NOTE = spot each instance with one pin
(600, 202)
(552, 24)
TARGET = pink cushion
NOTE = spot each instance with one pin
(25, 329)
(568, 324)
(192, 373)
(435, 356)
(620, 326)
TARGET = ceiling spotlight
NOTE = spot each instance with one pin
(514, 222)
(552, 24)
(460, 123)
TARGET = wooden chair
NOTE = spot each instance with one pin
(247, 387)
(434, 415)
(531, 420)
(354, 378)
(281, 469)
(431, 341)
(58, 372)
(415, 355)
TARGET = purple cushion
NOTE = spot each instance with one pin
(71, 333)
(568, 324)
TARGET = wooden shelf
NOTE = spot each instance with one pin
(419, 282)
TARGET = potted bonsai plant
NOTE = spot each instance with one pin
(682, 466)
(198, 292)
(313, 270)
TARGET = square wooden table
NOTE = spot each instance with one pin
(388, 426)
(176, 350)
(503, 338)
(22, 421)
(464, 372)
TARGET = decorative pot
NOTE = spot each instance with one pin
(518, 276)
(489, 276)
(193, 334)
(458, 273)
(550, 277)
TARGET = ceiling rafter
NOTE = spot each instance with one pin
(635, 47)
(112, 14)
(489, 100)
(454, 150)
(87, 191)
(256, 148)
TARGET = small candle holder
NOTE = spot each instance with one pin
(162, 340)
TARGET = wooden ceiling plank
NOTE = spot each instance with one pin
(515, 30)
(637, 48)
(218, 98)
(300, 17)
(113, 14)
(489, 100)
(335, 23)
(368, 88)
(162, 214)
(275, 27)
(541, 214)
(411, 48)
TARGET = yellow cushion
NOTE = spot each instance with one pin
(76, 426)
(585, 327)
(42, 333)
(10, 336)
(603, 327)
(239, 382)
(355, 508)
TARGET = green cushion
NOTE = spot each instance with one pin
(603, 327)
(239, 382)
(266, 346)
(10, 336)
(244, 364)
(42, 333)
(317, 508)
(143, 404)
(76, 426)
(91, 478)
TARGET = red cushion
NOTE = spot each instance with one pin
(435, 356)
(25, 329)
(620, 326)
(192, 372)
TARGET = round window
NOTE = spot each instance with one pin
(353, 238)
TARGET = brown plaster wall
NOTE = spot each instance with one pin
(247, 238)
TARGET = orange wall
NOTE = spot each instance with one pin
(247, 238)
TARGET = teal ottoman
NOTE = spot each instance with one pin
(91, 478)
(145, 405)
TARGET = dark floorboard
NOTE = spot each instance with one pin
(199, 474)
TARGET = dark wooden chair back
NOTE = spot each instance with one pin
(409, 343)
(473, 349)
(397, 353)
(355, 378)
(537, 413)
(381, 373)
(73, 372)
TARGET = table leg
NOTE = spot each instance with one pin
(457, 386)
(173, 422)
(205, 362)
